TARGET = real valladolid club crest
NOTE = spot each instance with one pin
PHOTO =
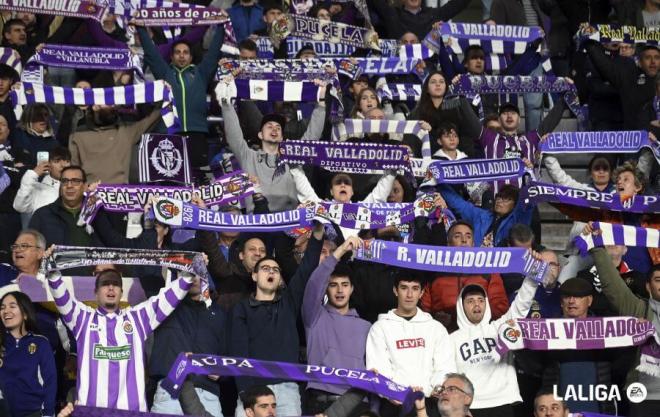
(167, 159)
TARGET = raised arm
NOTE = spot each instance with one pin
(234, 134)
(209, 63)
(72, 311)
(522, 303)
(152, 57)
(450, 9)
(304, 189)
(552, 119)
(558, 175)
(24, 200)
(310, 261)
(316, 123)
(605, 66)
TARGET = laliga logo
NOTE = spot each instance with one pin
(636, 393)
(167, 209)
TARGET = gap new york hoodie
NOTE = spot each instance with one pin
(494, 380)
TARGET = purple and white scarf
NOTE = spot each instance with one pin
(203, 364)
(474, 170)
(302, 7)
(29, 93)
(72, 8)
(361, 216)
(577, 334)
(354, 158)
(180, 14)
(539, 192)
(318, 30)
(620, 34)
(176, 213)
(599, 142)
(452, 259)
(321, 48)
(416, 51)
(163, 158)
(617, 234)
(87, 57)
(510, 84)
(11, 58)
(85, 411)
(400, 92)
(649, 359)
(385, 65)
(132, 198)
(498, 39)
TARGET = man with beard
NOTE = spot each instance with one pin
(107, 136)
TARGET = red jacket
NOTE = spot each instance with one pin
(442, 293)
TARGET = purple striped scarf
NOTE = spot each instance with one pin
(11, 57)
(358, 127)
(498, 39)
(176, 213)
(85, 411)
(71, 8)
(454, 259)
(29, 93)
(201, 364)
(538, 192)
(579, 334)
(385, 65)
(617, 234)
(321, 48)
(400, 92)
(318, 30)
(304, 6)
(509, 84)
(132, 198)
(600, 142)
(355, 158)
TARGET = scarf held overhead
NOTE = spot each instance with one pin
(457, 260)
(474, 170)
(201, 364)
(497, 39)
(88, 57)
(617, 234)
(152, 92)
(132, 198)
(319, 30)
(538, 192)
(72, 8)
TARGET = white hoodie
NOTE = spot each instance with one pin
(415, 352)
(494, 381)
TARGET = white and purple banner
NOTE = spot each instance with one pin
(163, 158)
(204, 364)
(176, 213)
(152, 92)
(617, 234)
(471, 85)
(11, 58)
(498, 39)
(454, 259)
(180, 14)
(319, 30)
(628, 141)
(621, 34)
(539, 192)
(355, 158)
(121, 198)
(578, 334)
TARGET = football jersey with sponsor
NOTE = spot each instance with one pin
(498, 146)
(111, 344)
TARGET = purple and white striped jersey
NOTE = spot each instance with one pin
(498, 146)
(111, 345)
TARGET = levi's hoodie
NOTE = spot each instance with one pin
(415, 352)
(493, 377)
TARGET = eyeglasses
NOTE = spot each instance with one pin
(268, 269)
(451, 389)
(72, 181)
(23, 246)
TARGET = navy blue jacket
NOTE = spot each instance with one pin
(23, 362)
(267, 329)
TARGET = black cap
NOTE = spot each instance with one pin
(273, 117)
(509, 106)
(576, 287)
(108, 276)
(471, 289)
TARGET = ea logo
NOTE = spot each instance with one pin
(636, 392)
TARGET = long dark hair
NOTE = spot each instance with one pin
(29, 314)
(425, 107)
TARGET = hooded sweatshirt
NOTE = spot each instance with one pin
(415, 352)
(475, 356)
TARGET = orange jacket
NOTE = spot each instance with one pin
(441, 294)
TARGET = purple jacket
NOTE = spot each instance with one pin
(333, 339)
